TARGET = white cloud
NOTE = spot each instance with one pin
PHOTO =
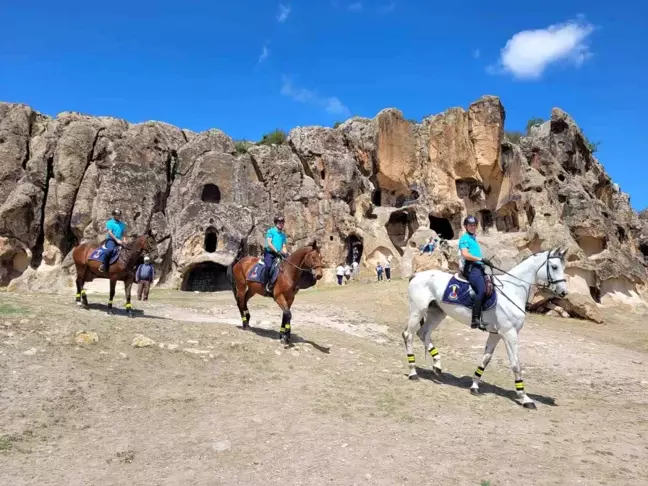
(284, 12)
(331, 104)
(355, 7)
(387, 8)
(265, 52)
(476, 53)
(527, 54)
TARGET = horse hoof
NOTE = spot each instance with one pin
(529, 405)
(474, 391)
(130, 314)
(414, 377)
(79, 304)
(109, 312)
(437, 371)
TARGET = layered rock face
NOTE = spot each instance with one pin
(383, 185)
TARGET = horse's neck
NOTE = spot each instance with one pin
(523, 276)
(297, 260)
(132, 253)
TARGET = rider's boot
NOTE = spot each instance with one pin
(105, 266)
(476, 315)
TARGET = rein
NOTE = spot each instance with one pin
(550, 282)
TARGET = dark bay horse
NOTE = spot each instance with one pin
(295, 272)
(123, 269)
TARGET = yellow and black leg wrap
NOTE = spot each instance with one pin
(78, 296)
(434, 352)
(411, 359)
(83, 292)
(519, 385)
(244, 319)
(287, 328)
(110, 302)
(479, 371)
(129, 306)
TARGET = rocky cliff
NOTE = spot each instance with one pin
(384, 184)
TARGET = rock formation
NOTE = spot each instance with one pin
(386, 184)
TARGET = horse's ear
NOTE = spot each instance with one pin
(149, 232)
(314, 245)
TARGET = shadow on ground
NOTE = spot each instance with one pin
(274, 335)
(116, 311)
(465, 382)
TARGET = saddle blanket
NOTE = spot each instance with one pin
(258, 272)
(98, 254)
(459, 292)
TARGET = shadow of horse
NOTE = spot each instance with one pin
(275, 335)
(465, 382)
(122, 312)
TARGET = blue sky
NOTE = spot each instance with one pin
(248, 67)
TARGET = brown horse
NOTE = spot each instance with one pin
(123, 269)
(297, 271)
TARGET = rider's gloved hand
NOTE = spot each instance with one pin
(486, 262)
(284, 255)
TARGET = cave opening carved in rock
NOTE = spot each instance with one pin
(206, 277)
(591, 245)
(487, 220)
(12, 265)
(211, 193)
(354, 248)
(400, 228)
(442, 227)
(211, 240)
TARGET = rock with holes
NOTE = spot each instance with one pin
(370, 189)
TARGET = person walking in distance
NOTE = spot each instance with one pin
(339, 273)
(379, 271)
(144, 277)
(388, 270)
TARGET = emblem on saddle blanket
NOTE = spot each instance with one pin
(459, 292)
(98, 254)
(258, 272)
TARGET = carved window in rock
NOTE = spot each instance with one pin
(211, 193)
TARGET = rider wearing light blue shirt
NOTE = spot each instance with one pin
(473, 263)
(275, 245)
(115, 230)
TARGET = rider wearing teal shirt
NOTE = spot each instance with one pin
(115, 230)
(473, 267)
(275, 245)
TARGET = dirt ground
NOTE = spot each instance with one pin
(211, 404)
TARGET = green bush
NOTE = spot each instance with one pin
(513, 136)
(337, 124)
(241, 146)
(592, 146)
(276, 137)
(533, 122)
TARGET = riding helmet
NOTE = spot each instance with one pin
(116, 212)
(470, 220)
(279, 219)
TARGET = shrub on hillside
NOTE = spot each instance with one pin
(276, 137)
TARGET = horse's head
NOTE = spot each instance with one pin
(552, 272)
(313, 260)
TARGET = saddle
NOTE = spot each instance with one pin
(259, 272)
(99, 252)
(459, 292)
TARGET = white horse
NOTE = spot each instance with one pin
(503, 321)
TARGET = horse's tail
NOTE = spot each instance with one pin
(230, 277)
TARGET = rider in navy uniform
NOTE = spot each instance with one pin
(470, 255)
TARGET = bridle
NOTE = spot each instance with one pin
(550, 285)
(312, 269)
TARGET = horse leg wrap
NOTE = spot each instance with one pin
(78, 296)
(434, 352)
(519, 385)
(129, 306)
(411, 359)
(479, 371)
(110, 302)
(83, 292)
